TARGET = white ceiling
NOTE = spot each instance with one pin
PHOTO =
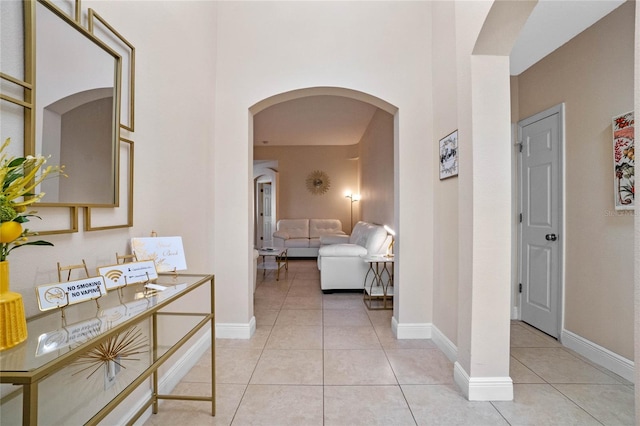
(553, 23)
(313, 120)
(334, 120)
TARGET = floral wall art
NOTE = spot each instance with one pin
(624, 161)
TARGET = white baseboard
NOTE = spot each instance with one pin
(483, 388)
(411, 331)
(171, 378)
(601, 356)
(515, 315)
(444, 344)
(236, 330)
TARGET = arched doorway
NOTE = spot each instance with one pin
(334, 204)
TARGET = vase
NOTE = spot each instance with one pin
(13, 327)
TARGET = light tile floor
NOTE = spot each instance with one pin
(320, 359)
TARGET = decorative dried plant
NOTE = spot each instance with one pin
(117, 348)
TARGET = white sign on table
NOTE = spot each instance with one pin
(59, 295)
(116, 276)
(166, 252)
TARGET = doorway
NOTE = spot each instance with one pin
(265, 188)
(265, 217)
(540, 182)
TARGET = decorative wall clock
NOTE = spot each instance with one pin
(318, 182)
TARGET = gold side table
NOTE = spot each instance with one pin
(378, 282)
(280, 260)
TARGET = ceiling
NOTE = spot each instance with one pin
(553, 23)
(335, 120)
(313, 120)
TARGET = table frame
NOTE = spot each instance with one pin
(29, 380)
(281, 260)
(378, 282)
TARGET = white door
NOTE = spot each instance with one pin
(540, 137)
(259, 228)
(267, 215)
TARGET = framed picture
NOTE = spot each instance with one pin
(624, 160)
(449, 155)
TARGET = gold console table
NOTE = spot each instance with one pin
(78, 369)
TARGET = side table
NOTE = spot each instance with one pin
(378, 282)
(280, 260)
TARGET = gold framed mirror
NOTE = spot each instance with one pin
(76, 114)
(21, 108)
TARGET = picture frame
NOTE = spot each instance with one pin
(448, 155)
(624, 161)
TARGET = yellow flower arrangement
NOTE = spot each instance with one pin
(20, 176)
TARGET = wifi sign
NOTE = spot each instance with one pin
(114, 275)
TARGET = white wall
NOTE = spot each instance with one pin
(267, 48)
(446, 262)
(174, 124)
(376, 171)
(174, 130)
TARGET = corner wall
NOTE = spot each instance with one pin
(446, 262)
(376, 171)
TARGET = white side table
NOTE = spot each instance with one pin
(280, 260)
(378, 283)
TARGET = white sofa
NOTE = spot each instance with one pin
(302, 236)
(340, 259)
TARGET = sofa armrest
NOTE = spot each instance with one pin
(281, 234)
(342, 250)
(334, 239)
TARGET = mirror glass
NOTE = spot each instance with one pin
(76, 116)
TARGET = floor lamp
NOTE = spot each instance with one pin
(353, 198)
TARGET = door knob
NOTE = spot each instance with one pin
(551, 237)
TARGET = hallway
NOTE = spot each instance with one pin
(320, 359)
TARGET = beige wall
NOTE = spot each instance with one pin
(294, 165)
(376, 170)
(637, 225)
(365, 168)
(445, 272)
(593, 76)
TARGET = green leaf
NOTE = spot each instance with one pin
(17, 161)
(37, 243)
(30, 243)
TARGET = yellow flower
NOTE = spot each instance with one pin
(10, 231)
(19, 177)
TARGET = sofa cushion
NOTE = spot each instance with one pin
(314, 242)
(295, 228)
(296, 242)
(370, 236)
(333, 239)
(342, 250)
(319, 227)
(358, 233)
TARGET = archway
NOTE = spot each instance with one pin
(380, 106)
